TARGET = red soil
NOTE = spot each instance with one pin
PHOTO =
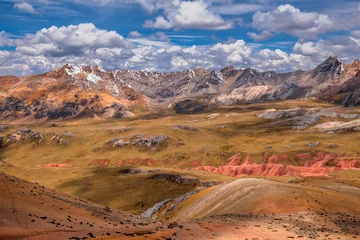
(319, 165)
(56, 165)
(137, 161)
(101, 162)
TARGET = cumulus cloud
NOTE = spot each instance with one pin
(264, 35)
(187, 14)
(346, 48)
(134, 34)
(288, 19)
(25, 7)
(161, 36)
(71, 40)
(355, 33)
(3, 38)
(237, 8)
(160, 22)
(84, 44)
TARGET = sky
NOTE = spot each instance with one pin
(174, 35)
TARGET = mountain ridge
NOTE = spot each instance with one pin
(73, 91)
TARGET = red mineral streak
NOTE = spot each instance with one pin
(309, 166)
(56, 165)
(101, 162)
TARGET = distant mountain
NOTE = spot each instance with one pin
(73, 91)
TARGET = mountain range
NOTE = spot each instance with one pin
(73, 91)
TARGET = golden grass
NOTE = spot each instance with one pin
(237, 129)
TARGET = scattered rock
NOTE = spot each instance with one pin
(181, 127)
(3, 128)
(333, 145)
(118, 142)
(313, 144)
(125, 129)
(214, 115)
(69, 134)
(22, 136)
(60, 140)
(151, 141)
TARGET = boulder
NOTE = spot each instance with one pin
(3, 128)
(151, 141)
(313, 144)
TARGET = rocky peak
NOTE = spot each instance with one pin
(331, 65)
(355, 65)
(228, 71)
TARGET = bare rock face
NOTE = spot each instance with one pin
(338, 126)
(277, 114)
(189, 107)
(352, 99)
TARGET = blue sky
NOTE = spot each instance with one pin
(173, 35)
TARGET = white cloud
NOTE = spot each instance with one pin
(3, 38)
(237, 8)
(134, 34)
(264, 35)
(160, 36)
(187, 14)
(346, 48)
(290, 20)
(84, 44)
(25, 7)
(159, 23)
(71, 40)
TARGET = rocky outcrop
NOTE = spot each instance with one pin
(352, 99)
(320, 164)
(151, 141)
(164, 208)
(3, 128)
(25, 135)
(332, 127)
(118, 142)
(277, 114)
(189, 107)
(179, 179)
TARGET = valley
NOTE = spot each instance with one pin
(87, 153)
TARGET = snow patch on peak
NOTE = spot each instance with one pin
(91, 77)
(73, 70)
(191, 74)
(217, 75)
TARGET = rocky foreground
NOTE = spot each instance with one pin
(65, 217)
